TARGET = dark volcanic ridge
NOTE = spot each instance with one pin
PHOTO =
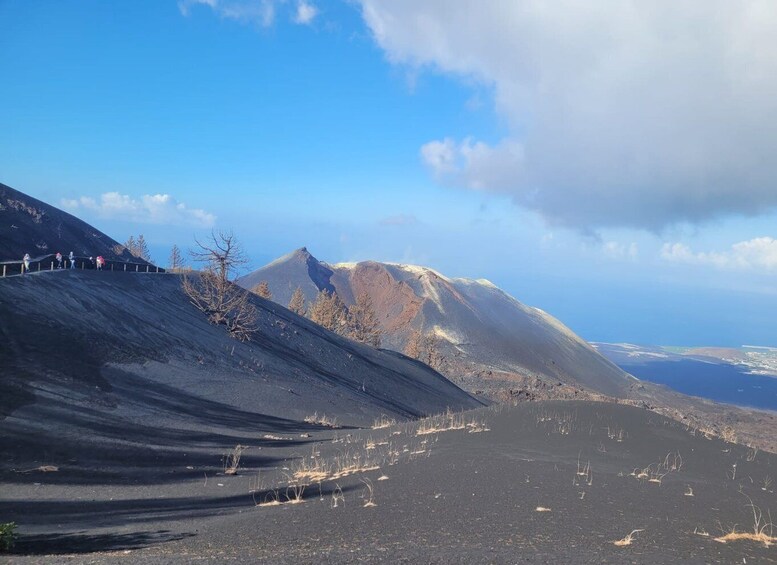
(28, 225)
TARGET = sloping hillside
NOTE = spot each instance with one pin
(485, 333)
(124, 362)
(28, 225)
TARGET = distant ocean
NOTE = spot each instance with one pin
(717, 381)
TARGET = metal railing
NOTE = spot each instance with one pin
(49, 263)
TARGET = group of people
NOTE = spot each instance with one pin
(98, 262)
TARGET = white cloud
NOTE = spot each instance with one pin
(757, 253)
(260, 12)
(616, 250)
(473, 164)
(185, 5)
(150, 209)
(306, 13)
(637, 114)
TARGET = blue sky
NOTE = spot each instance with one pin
(608, 163)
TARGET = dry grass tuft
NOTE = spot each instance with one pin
(446, 422)
(337, 496)
(231, 460)
(367, 494)
(616, 433)
(584, 474)
(450, 421)
(477, 427)
(322, 420)
(760, 537)
(626, 540)
(271, 498)
(294, 493)
(655, 472)
(383, 422)
(317, 469)
(42, 469)
(274, 437)
(763, 528)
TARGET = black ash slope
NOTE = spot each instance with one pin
(110, 376)
(28, 225)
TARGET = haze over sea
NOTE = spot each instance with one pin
(716, 381)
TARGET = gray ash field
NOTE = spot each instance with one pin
(120, 403)
(545, 482)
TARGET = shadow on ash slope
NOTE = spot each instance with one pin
(114, 380)
(550, 481)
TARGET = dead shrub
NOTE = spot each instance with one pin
(212, 292)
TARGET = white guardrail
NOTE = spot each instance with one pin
(49, 263)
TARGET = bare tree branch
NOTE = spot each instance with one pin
(213, 293)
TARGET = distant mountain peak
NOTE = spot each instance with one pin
(285, 274)
(301, 255)
(482, 328)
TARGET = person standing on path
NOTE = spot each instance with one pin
(100, 262)
(59, 260)
(72, 260)
(26, 261)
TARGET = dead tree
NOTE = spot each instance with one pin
(430, 352)
(221, 253)
(262, 289)
(414, 344)
(297, 302)
(329, 311)
(212, 290)
(176, 259)
(363, 324)
(426, 348)
(138, 248)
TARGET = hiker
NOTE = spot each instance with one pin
(26, 260)
(72, 260)
(100, 262)
(59, 260)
